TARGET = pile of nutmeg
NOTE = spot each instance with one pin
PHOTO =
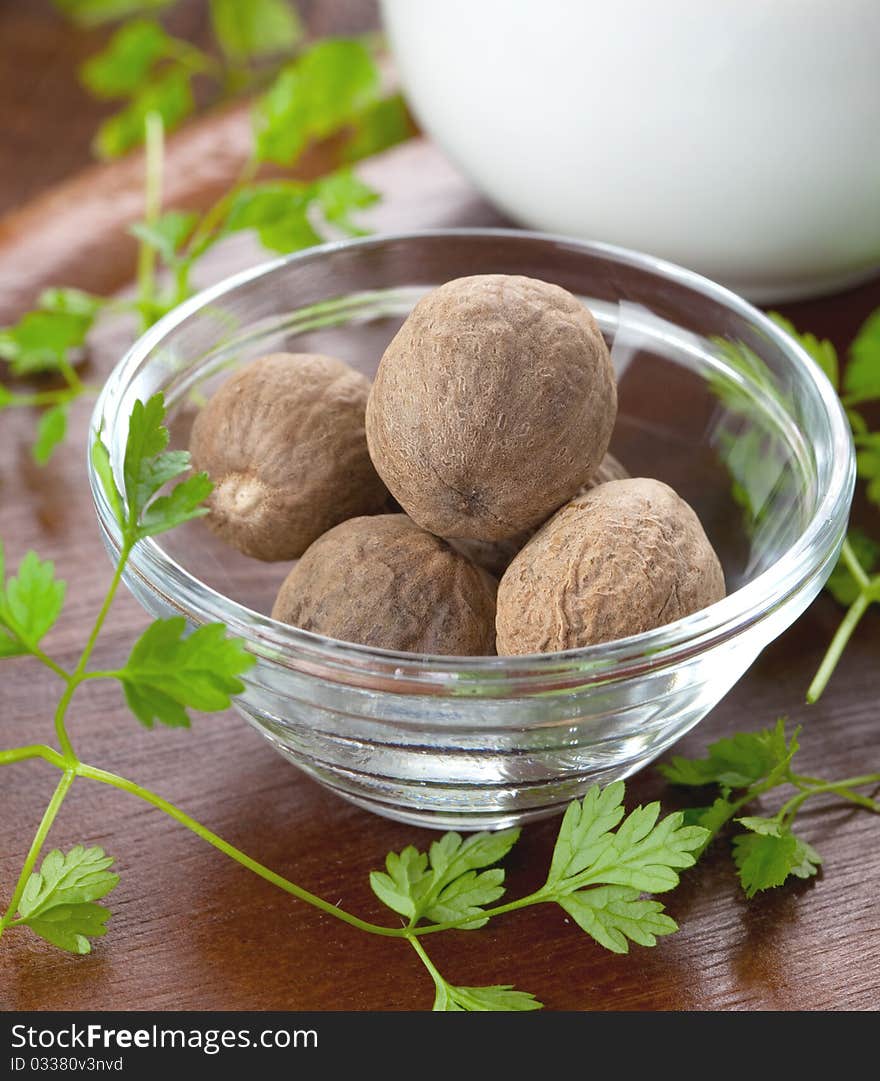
(463, 504)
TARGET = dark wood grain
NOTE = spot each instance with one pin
(193, 930)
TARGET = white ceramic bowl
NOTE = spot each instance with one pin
(736, 137)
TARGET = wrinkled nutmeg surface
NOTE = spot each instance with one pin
(382, 581)
(496, 556)
(283, 441)
(492, 405)
(620, 559)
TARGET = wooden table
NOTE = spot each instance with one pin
(193, 930)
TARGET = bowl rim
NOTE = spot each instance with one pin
(807, 557)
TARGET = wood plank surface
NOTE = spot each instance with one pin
(192, 930)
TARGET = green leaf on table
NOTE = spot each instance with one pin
(841, 584)
(767, 859)
(30, 603)
(820, 349)
(738, 761)
(643, 853)
(122, 67)
(862, 380)
(448, 882)
(256, 28)
(41, 341)
(616, 915)
(498, 998)
(169, 95)
(713, 818)
(96, 12)
(168, 672)
(167, 234)
(340, 194)
(759, 824)
(58, 900)
(51, 431)
(326, 89)
(6, 397)
(71, 301)
(381, 125)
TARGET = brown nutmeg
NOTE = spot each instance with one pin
(621, 559)
(383, 581)
(492, 405)
(496, 556)
(283, 441)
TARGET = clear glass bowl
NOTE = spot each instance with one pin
(714, 399)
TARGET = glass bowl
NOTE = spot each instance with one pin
(714, 399)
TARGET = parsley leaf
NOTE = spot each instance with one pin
(736, 762)
(169, 95)
(58, 900)
(256, 28)
(278, 212)
(30, 603)
(767, 859)
(643, 853)
(614, 914)
(862, 381)
(711, 818)
(500, 997)
(101, 462)
(329, 86)
(841, 584)
(127, 60)
(340, 193)
(167, 234)
(820, 350)
(72, 301)
(167, 673)
(148, 466)
(443, 884)
(41, 341)
(51, 431)
(184, 502)
(379, 126)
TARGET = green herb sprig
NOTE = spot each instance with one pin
(855, 582)
(603, 863)
(754, 459)
(746, 767)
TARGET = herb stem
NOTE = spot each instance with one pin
(838, 644)
(842, 788)
(439, 982)
(38, 398)
(146, 269)
(855, 568)
(34, 750)
(236, 854)
(79, 674)
(43, 658)
(33, 855)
